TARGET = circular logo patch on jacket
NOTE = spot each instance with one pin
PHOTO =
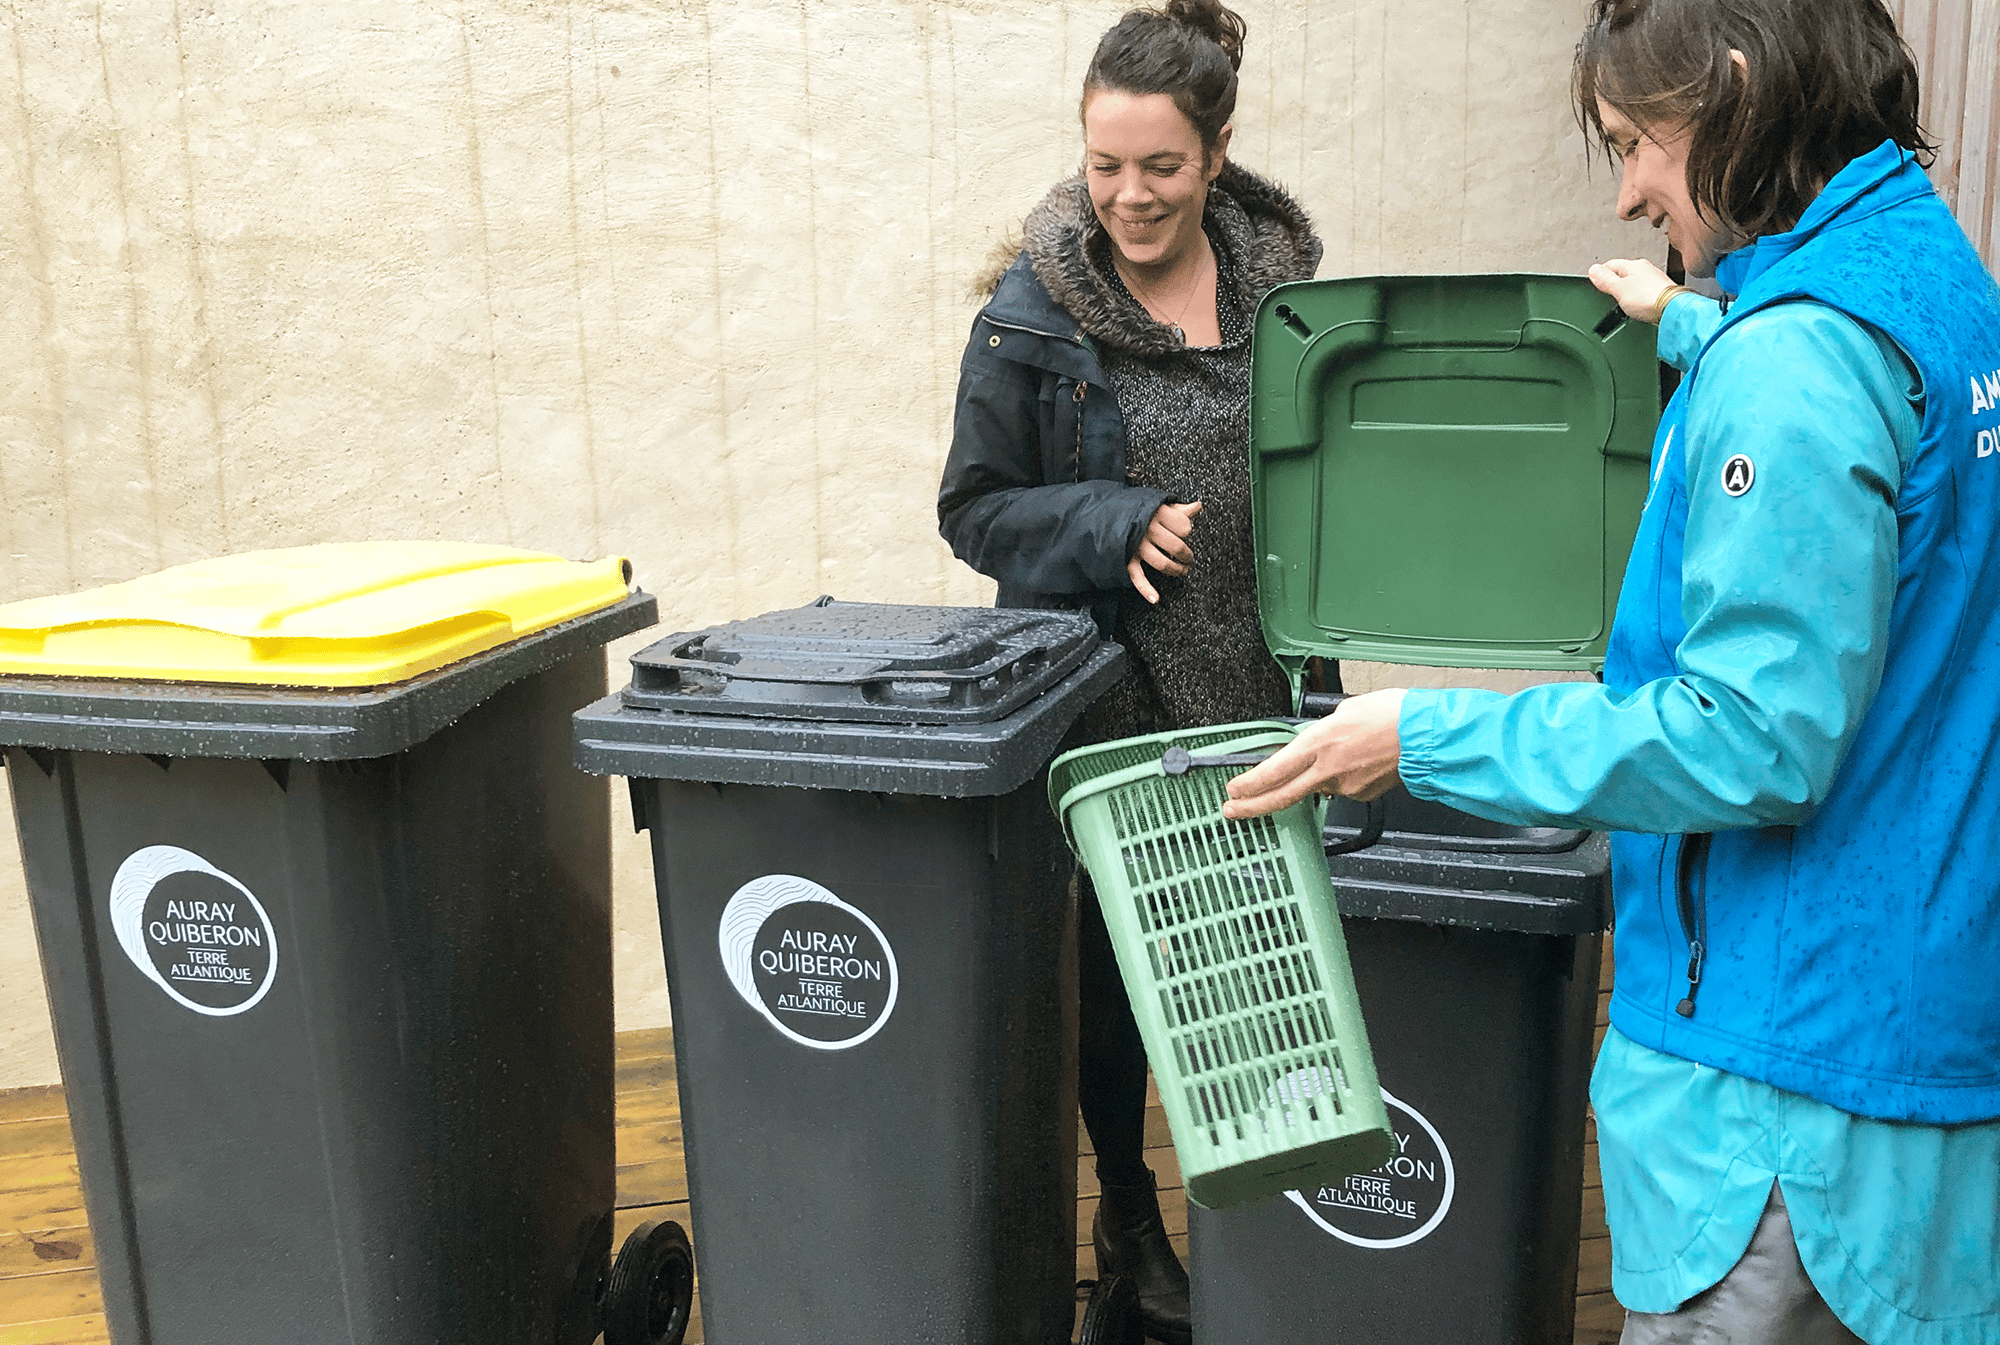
(1738, 475)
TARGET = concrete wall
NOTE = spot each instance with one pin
(679, 280)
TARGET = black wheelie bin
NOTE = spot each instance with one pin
(1445, 470)
(870, 946)
(1475, 950)
(324, 916)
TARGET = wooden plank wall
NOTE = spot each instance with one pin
(1957, 46)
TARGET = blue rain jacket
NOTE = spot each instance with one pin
(1801, 709)
(1896, 1223)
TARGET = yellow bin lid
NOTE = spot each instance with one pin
(343, 614)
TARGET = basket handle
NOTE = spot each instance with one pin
(1177, 760)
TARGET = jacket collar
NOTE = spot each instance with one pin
(1885, 176)
(1022, 301)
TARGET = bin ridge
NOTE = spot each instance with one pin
(865, 662)
(959, 759)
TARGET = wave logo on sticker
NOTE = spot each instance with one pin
(817, 969)
(1399, 1203)
(193, 930)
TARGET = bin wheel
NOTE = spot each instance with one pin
(651, 1292)
(1111, 1317)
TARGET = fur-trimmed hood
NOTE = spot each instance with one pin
(1265, 232)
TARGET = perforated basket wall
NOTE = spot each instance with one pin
(1232, 953)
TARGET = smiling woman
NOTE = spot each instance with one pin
(1653, 186)
(1099, 462)
(1149, 175)
(1730, 113)
(1798, 1103)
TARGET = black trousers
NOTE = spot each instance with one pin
(1111, 1059)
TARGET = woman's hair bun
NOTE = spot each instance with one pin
(1216, 22)
(1189, 50)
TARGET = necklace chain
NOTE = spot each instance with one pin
(1145, 297)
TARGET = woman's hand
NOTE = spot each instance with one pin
(1164, 547)
(1636, 285)
(1352, 752)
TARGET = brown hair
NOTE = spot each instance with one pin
(1827, 81)
(1188, 50)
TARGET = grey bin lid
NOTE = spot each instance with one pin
(865, 663)
(952, 702)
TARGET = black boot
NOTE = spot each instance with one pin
(1132, 1241)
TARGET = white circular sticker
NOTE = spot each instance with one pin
(1397, 1204)
(193, 930)
(1738, 475)
(818, 970)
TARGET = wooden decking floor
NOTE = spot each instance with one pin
(48, 1277)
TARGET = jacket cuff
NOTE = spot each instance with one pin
(1690, 319)
(1416, 737)
(1145, 501)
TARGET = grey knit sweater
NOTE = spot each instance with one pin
(1198, 657)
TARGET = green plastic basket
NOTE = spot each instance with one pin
(1232, 954)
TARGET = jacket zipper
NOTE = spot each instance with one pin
(1076, 458)
(1073, 338)
(1691, 898)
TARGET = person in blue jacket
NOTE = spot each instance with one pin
(1797, 739)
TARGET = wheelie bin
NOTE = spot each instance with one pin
(324, 915)
(1445, 470)
(1475, 951)
(870, 947)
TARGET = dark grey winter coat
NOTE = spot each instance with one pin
(1035, 493)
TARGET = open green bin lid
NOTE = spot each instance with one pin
(1446, 470)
